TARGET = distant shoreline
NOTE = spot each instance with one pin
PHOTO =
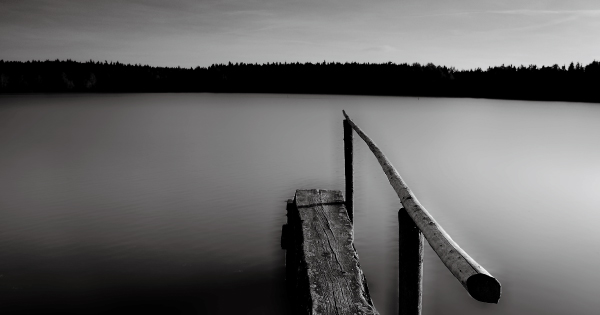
(575, 82)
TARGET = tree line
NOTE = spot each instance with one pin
(574, 82)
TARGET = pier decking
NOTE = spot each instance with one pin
(322, 263)
(322, 268)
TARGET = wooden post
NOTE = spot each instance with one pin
(349, 169)
(410, 266)
(480, 284)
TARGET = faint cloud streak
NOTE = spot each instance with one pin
(590, 13)
(381, 49)
(260, 13)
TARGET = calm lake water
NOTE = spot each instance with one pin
(173, 203)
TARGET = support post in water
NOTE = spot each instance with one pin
(349, 169)
(410, 266)
(480, 284)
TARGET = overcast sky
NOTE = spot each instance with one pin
(189, 33)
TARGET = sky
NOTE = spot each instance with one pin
(464, 34)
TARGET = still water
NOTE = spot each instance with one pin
(173, 203)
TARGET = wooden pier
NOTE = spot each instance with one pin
(321, 262)
(322, 268)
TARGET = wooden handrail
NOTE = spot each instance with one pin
(480, 284)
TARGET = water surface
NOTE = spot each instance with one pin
(173, 203)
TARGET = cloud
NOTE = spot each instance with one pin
(550, 17)
(588, 13)
(525, 12)
(444, 14)
(258, 13)
(382, 48)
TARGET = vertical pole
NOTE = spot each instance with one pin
(410, 266)
(349, 169)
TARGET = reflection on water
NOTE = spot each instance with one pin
(173, 203)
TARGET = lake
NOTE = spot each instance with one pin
(173, 203)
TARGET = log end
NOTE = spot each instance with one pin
(484, 288)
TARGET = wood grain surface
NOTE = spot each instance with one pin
(336, 284)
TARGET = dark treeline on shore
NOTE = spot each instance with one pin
(572, 82)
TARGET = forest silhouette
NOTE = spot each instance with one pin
(574, 82)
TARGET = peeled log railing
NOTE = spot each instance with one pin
(416, 222)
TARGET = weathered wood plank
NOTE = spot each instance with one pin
(310, 197)
(326, 263)
(480, 284)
